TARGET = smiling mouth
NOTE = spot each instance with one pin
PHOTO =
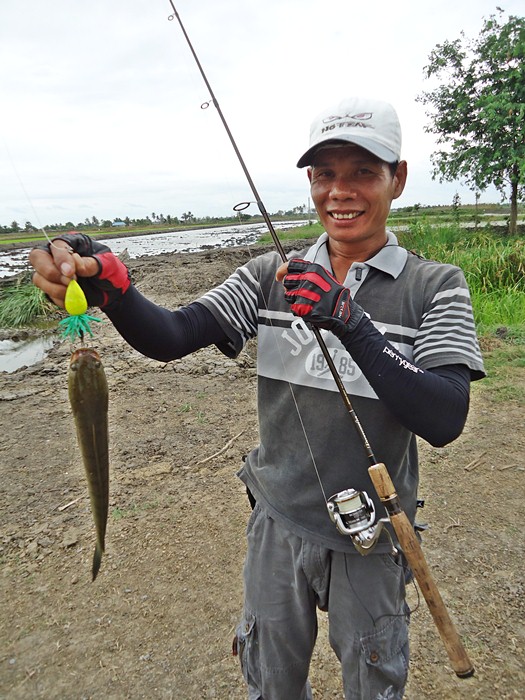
(341, 217)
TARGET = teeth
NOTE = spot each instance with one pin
(351, 215)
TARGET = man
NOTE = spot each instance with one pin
(401, 334)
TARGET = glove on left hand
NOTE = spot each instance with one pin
(317, 296)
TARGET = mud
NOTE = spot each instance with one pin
(159, 620)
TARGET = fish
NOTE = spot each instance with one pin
(89, 399)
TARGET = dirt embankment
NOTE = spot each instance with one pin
(159, 620)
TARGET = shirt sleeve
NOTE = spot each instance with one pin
(235, 306)
(447, 331)
(166, 335)
(430, 403)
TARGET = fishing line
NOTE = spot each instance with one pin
(22, 187)
(29, 200)
(241, 207)
(77, 323)
(317, 334)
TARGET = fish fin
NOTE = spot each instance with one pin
(97, 558)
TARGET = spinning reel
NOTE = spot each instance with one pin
(354, 514)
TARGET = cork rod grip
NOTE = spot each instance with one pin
(416, 559)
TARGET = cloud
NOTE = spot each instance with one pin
(102, 106)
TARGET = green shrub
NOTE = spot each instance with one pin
(21, 304)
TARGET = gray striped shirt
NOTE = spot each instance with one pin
(306, 437)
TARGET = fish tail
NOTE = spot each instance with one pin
(97, 559)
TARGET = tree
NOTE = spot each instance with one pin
(478, 111)
(456, 204)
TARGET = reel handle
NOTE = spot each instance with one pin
(416, 559)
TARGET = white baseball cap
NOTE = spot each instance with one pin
(369, 123)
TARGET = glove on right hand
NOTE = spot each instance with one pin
(316, 295)
(113, 278)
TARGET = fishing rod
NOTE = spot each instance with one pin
(277, 242)
(353, 511)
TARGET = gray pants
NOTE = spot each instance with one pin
(286, 578)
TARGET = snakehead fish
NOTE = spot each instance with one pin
(88, 396)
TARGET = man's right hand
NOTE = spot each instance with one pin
(102, 276)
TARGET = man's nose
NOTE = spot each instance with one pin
(343, 188)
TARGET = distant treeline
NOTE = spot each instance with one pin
(160, 222)
(187, 218)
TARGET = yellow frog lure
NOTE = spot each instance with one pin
(76, 325)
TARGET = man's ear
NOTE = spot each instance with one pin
(309, 173)
(400, 179)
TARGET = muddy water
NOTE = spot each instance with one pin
(15, 261)
(19, 353)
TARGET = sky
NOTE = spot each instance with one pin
(100, 101)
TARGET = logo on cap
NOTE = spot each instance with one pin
(349, 121)
(362, 116)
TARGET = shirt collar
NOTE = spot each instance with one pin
(390, 259)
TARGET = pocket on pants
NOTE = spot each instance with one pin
(384, 661)
(247, 649)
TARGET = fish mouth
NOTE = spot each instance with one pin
(84, 352)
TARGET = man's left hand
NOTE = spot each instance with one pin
(316, 295)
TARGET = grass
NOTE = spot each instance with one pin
(494, 268)
(499, 309)
(188, 407)
(21, 304)
(504, 360)
(490, 262)
(312, 230)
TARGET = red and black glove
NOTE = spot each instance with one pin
(318, 297)
(113, 278)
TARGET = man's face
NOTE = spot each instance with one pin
(352, 191)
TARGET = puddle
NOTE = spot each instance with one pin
(17, 353)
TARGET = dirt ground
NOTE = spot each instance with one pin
(159, 620)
